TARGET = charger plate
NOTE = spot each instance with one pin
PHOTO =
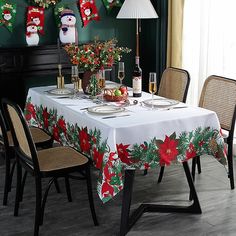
(105, 110)
(60, 92)
(160, 103)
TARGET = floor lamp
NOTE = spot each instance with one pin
(137, 9)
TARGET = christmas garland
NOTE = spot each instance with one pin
(45, 3)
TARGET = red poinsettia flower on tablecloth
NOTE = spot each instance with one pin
(191, 152)
(107, 190)
(84, 141)
(98, 158)
(123, 153)
(62, 124)
(31, 111)
(168, 151)
(45, 117)
(56, 134)
(107, 173)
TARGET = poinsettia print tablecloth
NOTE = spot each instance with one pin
(143, 139)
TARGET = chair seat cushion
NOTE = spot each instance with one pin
(58, 158)
(39, 135)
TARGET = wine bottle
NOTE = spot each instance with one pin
(137, 79)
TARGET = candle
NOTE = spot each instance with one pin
(59, 51)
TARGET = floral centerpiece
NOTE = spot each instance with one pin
(96, 55)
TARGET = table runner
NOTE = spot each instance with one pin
(144, 139)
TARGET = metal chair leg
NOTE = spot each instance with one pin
(199, 165)
(161, 174)
(45, 199)
(7, 181)
(38, 212)
(23, 186)
(230, 169)
(68, 191)
(90, 196)
(18, 189)
(57, 186)
(194, 162)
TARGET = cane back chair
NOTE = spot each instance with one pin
(219, 95)
(41, 140)
(46, 163)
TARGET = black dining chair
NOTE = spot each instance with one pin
(174, 85)
(41, 139)
(219, 95)
(50, 163)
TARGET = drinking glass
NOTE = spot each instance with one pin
(152, 84)
(121, 71)
(75, 80)
(101, 81)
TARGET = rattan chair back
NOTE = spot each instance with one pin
(22, 138)
(174, 84)
(219, 95)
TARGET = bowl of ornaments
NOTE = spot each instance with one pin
(115, 94)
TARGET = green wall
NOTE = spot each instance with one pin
(152, 37)
(108, 27)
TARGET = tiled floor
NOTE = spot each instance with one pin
(218, 204)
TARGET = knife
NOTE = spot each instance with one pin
(109, 117)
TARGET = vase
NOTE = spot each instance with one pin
(85, 80)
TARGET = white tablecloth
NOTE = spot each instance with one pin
(143, 139)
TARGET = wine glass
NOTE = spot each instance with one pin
(152, 84)
(75, 80)
(101, 80)
(121, 71)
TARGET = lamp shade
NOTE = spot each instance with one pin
(137, 9)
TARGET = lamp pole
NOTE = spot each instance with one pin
(137, 38)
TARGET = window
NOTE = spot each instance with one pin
(209, 42)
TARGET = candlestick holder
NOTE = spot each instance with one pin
(60, 78)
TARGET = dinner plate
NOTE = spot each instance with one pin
(60, 92)
(105, 110)
(160, 103)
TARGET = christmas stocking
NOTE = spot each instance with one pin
(7, 14)
(88, 11)
(36, 15)
(109, 4)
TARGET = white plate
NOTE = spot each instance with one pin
(105, 110)
(160, 103)
(60, 92)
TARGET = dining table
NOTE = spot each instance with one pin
(121, 137)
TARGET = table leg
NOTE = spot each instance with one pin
(126, 201)
(127, 221)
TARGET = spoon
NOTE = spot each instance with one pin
(134, 102)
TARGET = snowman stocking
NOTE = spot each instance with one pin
(88, 11)
(7, 14)
(36, 15)
(109, 4)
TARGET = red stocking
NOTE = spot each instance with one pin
(88, 11)
(36, 15)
